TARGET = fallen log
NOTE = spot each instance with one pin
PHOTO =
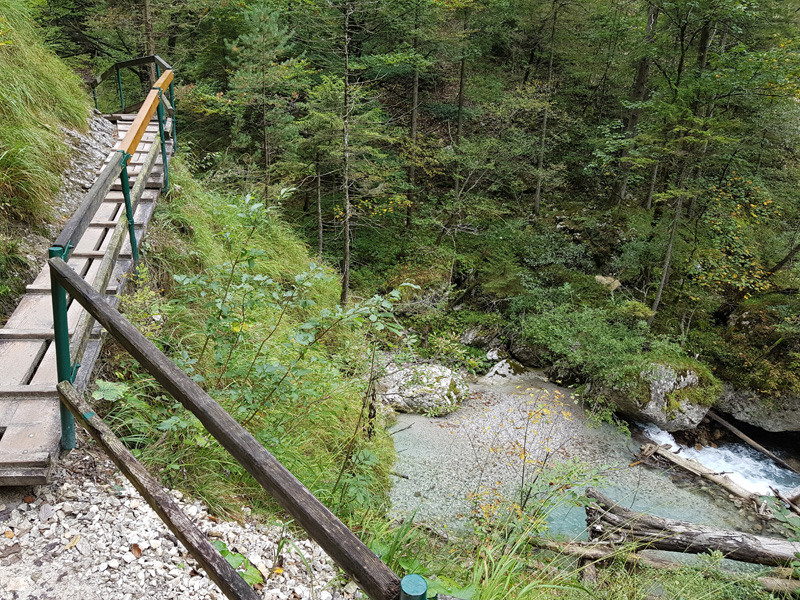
(785, 499)
(591, 553)
(694, 467)
(606, 520)
(751, 442)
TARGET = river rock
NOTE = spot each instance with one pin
(772, 413)
(480, 338)
(530, 356)
(673, 413)
(425, 389)
(503, 372)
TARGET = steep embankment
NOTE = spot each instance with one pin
(40, 100)
(234, 298)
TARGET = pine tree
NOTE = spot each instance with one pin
(265, 86)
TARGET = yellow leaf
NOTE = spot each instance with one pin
(73, 542)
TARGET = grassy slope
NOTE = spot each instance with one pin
(38, 95)
(311, 422)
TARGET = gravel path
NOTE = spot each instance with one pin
(89, 535)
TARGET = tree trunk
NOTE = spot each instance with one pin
(784, 261)
(461, 81)
(593, 553)
(346, 156)
(667, 260)
(537, 199)
(529, 67)
(638, 94)
(150, 39)
(319, 210)
(412, 170)
(605, 519)
(652, 190)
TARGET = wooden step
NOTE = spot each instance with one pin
(29, 445)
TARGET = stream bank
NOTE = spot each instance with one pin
(446, 463)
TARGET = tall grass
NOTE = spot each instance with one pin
(312, 421)
(38, 95)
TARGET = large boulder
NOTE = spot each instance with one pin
(667, 400)
(528, 355)
(480, 337)
(774, 413)
(425, 389)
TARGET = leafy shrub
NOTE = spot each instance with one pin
(610, 348)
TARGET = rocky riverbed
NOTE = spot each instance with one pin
(446, 464)
(90, 535)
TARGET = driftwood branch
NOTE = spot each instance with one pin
(608, 521)
(694, 467)
(592, 553)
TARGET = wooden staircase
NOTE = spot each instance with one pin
(30, 428)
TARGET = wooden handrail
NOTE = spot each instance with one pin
(127, 64)
(80, 220)
(149, 106)
(377, 580)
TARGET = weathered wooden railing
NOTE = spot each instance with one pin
(115, 72)
(351, 554)
(68, 355)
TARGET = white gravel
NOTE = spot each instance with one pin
(89, 535)
(444, 462)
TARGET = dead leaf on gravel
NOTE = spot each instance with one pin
(73, 542)
(45, 512)
(6, 552)
(136, 551)
(29, 499)
(9, 534)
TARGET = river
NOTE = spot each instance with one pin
(507, 427)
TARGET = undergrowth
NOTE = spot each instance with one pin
(610, 347)
(38, 95)
(231, 295)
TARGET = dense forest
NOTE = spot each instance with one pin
(593, 186)
(501, 155)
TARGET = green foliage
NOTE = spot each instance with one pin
(253, 321)
(610, 348)
(38, 96)
(13, 265)
(265, 82)
(239, 562)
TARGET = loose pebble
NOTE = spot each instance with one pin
(91, 536)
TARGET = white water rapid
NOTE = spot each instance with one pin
(744, 465)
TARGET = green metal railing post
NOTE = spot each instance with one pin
(63, 365)
(413, 587)
(174, 117)
(161, 119)
(119, 86)
(126, 194)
